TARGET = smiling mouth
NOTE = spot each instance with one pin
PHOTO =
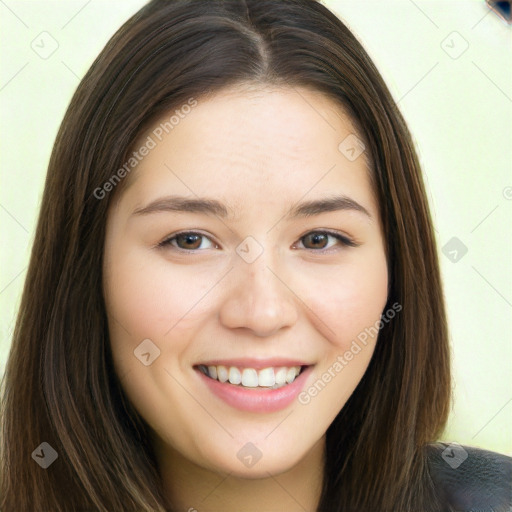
(250, 378)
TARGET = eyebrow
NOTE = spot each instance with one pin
(209, 206)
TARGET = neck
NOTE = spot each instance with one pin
(192, 488)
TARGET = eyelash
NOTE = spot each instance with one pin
(341, 238)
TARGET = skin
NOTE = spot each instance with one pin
(260, 151)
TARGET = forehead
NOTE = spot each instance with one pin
(296, 122)
(257, 142)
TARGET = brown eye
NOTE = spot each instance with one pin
(186, 241)
(319, 240)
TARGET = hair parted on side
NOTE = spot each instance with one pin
(59, 385)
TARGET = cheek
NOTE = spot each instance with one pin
(149, 297)
(349, 309)
(352, 300)
(151, 300)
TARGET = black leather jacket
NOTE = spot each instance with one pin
(469, 479)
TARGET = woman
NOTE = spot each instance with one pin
(234, 299)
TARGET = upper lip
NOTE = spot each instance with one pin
(257, 364)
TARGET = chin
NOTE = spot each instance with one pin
(261, 469)
(251, 462)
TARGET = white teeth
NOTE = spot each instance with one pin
(281, 376)
(222, 374)
(235, 377)
(250, 378)
(290, 375)
(266, 377)
(212, 371)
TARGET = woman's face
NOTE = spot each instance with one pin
(247, 285)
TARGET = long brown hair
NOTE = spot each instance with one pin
(60, 386)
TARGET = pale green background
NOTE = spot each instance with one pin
(459, 111)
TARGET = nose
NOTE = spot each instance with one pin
(258, 298)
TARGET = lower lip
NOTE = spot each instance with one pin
(257, 400)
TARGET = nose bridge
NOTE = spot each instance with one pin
(257, 298)
(258, 276)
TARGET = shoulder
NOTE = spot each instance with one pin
(471, 479)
